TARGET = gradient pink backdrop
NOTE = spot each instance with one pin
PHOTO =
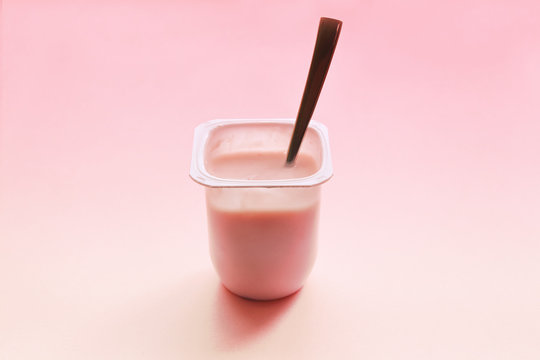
(430, 229)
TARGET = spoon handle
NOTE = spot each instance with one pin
(325, 45)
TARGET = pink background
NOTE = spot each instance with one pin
(430, 229)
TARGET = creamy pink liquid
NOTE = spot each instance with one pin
(262, 240)
(260, 166)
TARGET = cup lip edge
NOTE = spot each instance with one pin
(200, 175)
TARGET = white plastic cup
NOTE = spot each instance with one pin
(263, 233)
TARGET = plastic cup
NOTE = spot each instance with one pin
(262, 232)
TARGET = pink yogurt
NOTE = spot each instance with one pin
(262, 214)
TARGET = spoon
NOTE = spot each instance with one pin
(325, 45)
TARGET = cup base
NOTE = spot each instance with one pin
(264, 298)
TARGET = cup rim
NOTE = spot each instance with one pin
(200, 175)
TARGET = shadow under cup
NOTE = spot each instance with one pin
(262, 228)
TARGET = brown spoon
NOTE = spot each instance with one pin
(325, 45)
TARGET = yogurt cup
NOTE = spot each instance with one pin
(262, 214)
